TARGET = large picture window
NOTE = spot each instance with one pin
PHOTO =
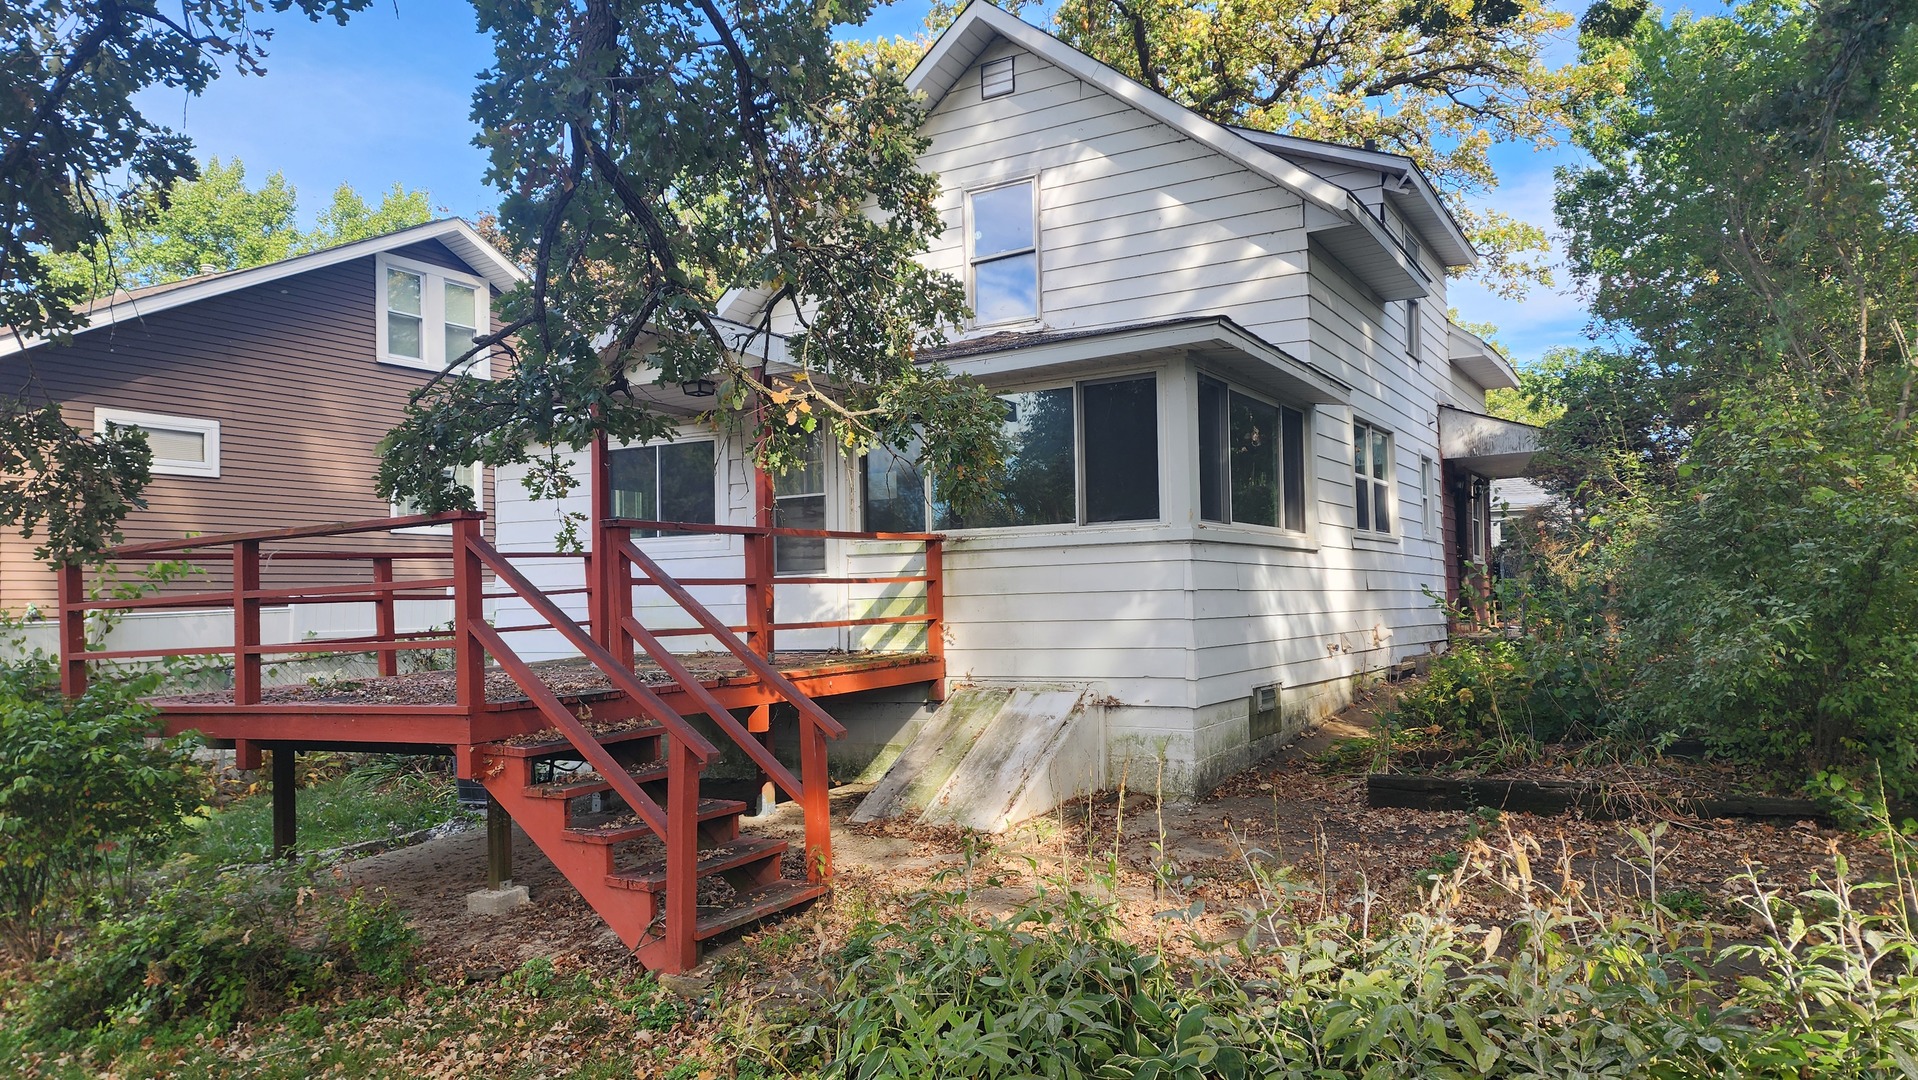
(1002, 254)
(665, 482)
(1372, 476)
(1251, 460)
(892, 490)
(1086, 453)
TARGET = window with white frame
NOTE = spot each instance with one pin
(799, 502)
(1086, 453)
(893, 491)
(429, 315)
(181, 445)
(1251, 459)
(1426, 495)
(675, 481)
(471, 477)
(1412, 329)
(1002, 254)
(1372, 476)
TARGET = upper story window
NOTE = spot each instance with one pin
(1251, 460)
(1412, 330)
(1372, 476)
(428, 315)
(181, 446)
(673, 481)
(1002, 254)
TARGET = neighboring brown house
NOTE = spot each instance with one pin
(264, 392)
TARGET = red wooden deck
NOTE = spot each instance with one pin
(492, 704)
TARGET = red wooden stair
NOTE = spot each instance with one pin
(619, 865)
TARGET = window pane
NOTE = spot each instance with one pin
(807, 477)
(462, 305)
(1039, 481)
(1359, 440)
(458, 340)
(1255, 461)
(170, 444)
(1381, 454)
(799, 555)
(894, 491)
(686, 482)
(1001, 220)
(1122, 450)
(402, 334)
(1365, 503)
(636, 483)
(1381, 507)
(403, 292)
(1006, 289)
(1212, 453)
(1293, 458)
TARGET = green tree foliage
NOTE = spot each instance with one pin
(653, 156)
(68, 123)
(83, 797)
(215, 223)
(1440, 81)
(1747, 470)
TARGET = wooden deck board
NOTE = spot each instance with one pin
(419, 707)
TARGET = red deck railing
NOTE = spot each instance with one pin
(610, 637)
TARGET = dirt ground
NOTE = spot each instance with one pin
(1309, 832)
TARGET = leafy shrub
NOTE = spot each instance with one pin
(85, 800)
(204, 952)
(1506, 693)
(1053, 991)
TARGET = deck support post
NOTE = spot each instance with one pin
(285, 819)
(760, 723)
(499, 846)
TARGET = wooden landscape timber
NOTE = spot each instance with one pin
(1552, 797)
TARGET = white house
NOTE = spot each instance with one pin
(1252, 448)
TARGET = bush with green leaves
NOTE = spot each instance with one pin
(1565, 989)
(85, 799)
(207, 950)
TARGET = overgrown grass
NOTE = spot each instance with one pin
(383, 798)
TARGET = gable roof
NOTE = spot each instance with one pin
(1354, 235)
(459, 237)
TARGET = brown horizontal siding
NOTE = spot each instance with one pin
(287, 368)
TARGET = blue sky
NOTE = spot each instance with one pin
(385, 99)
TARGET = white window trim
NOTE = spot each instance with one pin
(720, 508)
(1373, 532)
(1414, 333)
(1038, 257)
(1309, 478)
(210, 429)
(432, 315)
(479, 503)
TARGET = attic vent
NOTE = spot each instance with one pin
(995, 79)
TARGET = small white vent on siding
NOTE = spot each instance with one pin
(995, 79)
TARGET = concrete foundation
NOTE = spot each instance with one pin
(497, 901)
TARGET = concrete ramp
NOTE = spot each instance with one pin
(992, 757)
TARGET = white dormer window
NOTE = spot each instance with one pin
(1002, 254)
(181, 446)
(428, 315)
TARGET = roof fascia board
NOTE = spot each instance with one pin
(1472, 354)
(501, 272)
(1397, 164)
